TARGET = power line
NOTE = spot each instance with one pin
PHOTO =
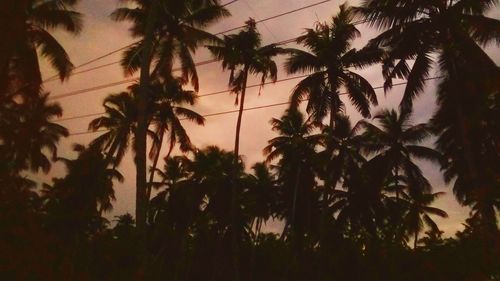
(110, 53)
(204, 95)
(233, 111)
(206, 115)
(229, 3)
(127, 81)
(55, 77)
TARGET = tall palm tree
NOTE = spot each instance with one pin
(32, 22)
(329, 59)
(418, 211)
(29, 134)
(169, 30)
(397, 140)
(295, 150)
(341, 154)
(243, 54)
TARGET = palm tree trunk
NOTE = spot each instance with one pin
(416, 241)
(296, 233)
(140, 140)
(396, 181)
(329, 185)
(295, 197)
(235, 193)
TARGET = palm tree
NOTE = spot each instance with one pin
(341, 154)
(475, 188)
(343, 147)
(77, 200)
(295, 150)
(167, 115)
(418, 31)
(453, 32)
(29, 134)
(417, 213)
(32, 22)
(169, 30)
(359, 203)
(176, 30)
(120, 121)
(329, 60)
(398, 142)
(261, 196)
(243, 54)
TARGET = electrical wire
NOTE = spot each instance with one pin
(127, 81)
(55, 77)
(231, 111)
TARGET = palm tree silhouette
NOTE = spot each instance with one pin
(120, 121)
(261, 196)
(452, 31)
(424, 28)
(295, 150)
(177, 30)
(418, 211)
(398, 142)
(33, 38)
(168, 100)
(359, 204)
(341, 154)
(243, 54)
(75, 201)
(329, 60)
(168, 30)
(29, 133)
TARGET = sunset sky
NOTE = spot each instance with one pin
(102, 35)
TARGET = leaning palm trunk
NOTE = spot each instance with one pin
(235, 190)
(140, 141)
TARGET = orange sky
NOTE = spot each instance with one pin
(101, 35)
